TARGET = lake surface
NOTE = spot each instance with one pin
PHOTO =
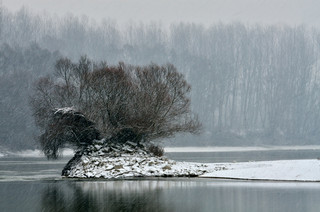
(244, 156)
(34, 184)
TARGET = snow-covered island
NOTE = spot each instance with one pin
(109, 160)
(116, 115)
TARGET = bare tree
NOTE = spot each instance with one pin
(147, 103)
(66, 126)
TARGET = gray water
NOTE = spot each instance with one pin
(245, 156)
(34, 184)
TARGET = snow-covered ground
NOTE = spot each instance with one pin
(134, 165)
(240, 148)
(33, 153)
(286, 170)
(137, 166)
(95, 163)
(128, 165)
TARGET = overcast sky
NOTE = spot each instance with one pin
(292, 12)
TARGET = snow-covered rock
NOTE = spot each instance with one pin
(108, 160)
(64, 110)
(133, 165)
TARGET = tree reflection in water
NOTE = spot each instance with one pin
(179, 195)
(103, 196)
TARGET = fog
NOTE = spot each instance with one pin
(292, 12)
(253, 65)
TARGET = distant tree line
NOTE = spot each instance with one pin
(19, 67)
(257, 84)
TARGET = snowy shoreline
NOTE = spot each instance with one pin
(282, 170)
(109, 162)
(240, 148)
(69, 152)
(96, 165)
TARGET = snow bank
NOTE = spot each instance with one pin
(240, 149)
(109, 160)
(33, 153)
(27, 153)
(286, 170)
(143, 165)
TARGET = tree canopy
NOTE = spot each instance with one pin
(151, 102)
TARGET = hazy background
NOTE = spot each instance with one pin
(293, 12)
(253, 65)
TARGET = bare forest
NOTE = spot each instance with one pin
(251, 84)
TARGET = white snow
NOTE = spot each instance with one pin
(131, 165)
(66, 152)
(141, 164)
(64, 110)
(99, 161)
(240, 149)
(286, 170)
(134, 165)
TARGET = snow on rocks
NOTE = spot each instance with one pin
(110, 160)
(132, 165)
(64, 110)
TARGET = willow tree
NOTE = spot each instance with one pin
(141, 102)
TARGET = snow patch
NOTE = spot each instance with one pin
(34, 153)
(110, 160)
(286, 170)
(240, 149)
(64, 110)
(134, 165)
(27, 153)
(122, 160)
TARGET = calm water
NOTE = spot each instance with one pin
(34, 184)
(217, 157)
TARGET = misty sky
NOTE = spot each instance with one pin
(292, 12)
